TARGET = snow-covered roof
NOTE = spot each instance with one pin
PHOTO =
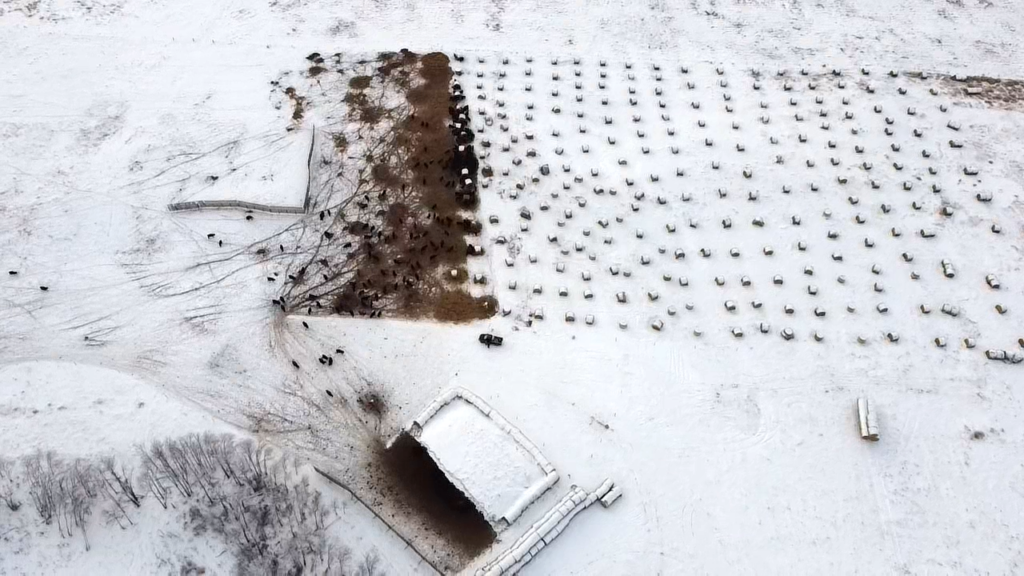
(484, 456)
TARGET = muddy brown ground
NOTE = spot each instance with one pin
(388, 235)
(407, 475)
(1001, 93)
(395, 245)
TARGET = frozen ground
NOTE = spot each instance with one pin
(76, 410)
(269, 170)
(735, 455)
(70, 407)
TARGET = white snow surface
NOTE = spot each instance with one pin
(77, 409)
(158, 544)
(85, 411)
(269, 170)
(735, 455)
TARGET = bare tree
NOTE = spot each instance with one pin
(153, 480)
(255, 500)
(223, 450)
(255, 462)
(42, 484)
(162, 459)
(122, 477)
(81, 491)
(369, 565)
(7, 485)
(117, 488)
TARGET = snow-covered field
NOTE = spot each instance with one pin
(735, 454)
(81, 411)
(84, 409)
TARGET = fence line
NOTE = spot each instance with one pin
(342, 485)
(255, 206)
(309, 169)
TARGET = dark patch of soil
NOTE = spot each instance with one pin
(1002, 93)
(356, 99)
(407, 474)
(340, 143)
(394, 62)
(372, 403)
(385, 175)
(359, 82)
(458, 306)
(361, 108)
(298, 104)
(406, 225)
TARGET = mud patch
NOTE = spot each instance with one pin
(359, 83)
(1001, 93)
(372, 403)
(391, 240)
(298, 104)
(408, 475)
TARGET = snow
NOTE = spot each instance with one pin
(753, 443)
(733, 454)
(79, 409)
(269, 169)
(621, 209)
(364, 533)
(157, 544)
(486, 462)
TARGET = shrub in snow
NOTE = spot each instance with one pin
(237, 492)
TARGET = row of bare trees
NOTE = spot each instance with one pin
(62, 492)
(234, 490)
